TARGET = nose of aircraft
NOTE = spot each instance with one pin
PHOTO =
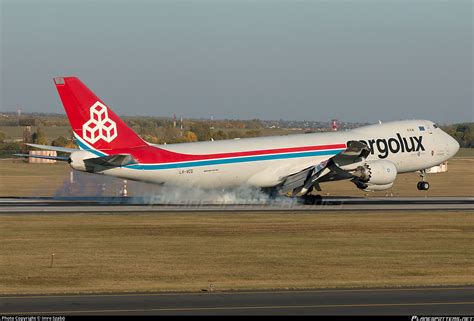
(452, 145)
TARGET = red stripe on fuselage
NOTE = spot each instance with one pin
(156, 155)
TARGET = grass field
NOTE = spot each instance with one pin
(465, 152)
(23, 179)
(177, 252)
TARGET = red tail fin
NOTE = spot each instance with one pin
(93, 123)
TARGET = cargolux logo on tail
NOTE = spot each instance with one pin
(99, 126)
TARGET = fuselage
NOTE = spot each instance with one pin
(411, 145)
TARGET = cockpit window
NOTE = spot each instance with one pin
(435, 126)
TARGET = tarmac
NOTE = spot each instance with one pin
(433, 301)
(32, 205)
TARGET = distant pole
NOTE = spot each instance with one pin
(52, 259)
(124, 191)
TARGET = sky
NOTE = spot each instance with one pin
(359, 61)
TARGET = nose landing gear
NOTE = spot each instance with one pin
(422, 185)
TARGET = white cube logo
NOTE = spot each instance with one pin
(99, 126)
(99, 112)
(91, 131)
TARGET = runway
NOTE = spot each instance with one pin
(141, 204)
(433, 301)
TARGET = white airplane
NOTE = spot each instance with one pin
(294, 165)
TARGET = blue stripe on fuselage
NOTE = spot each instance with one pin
(222, 161)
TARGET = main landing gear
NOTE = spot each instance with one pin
(422, 185)
(312, 199)
(308, 199)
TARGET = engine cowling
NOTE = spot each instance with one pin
(76, 160)
(373, 188)
(378, 172)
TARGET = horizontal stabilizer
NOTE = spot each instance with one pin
(55, 148)
(57, 158)
(111, 161)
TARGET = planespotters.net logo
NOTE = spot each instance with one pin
(99, 126)
(416, 318)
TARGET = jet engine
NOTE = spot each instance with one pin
(375, 175)
(372, 188)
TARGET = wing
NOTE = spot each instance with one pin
(334, 168)
(48, 147)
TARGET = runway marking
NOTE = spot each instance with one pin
(233, 293)
(368, 305)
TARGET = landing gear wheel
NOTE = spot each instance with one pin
(423, 186)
